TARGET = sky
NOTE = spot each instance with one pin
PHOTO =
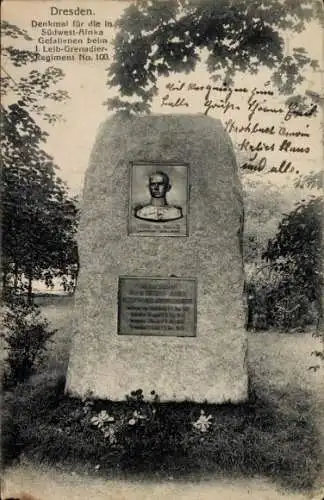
(71, 140)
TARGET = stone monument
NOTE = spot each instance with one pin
(159, 302)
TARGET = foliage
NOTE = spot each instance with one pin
(313, 180)
(158, 37)
(117, 430)
(264, 204)
(271, 436)
(287, 221)
(295, 254)
(26, 335)
(273, 302)
(39, 218)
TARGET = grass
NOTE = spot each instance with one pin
(263, 437)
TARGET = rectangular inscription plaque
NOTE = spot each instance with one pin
(158, 199)
(157, 306)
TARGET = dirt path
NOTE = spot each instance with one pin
(52, 485)
(281, 361)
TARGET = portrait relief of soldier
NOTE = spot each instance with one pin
(159, 194)
(158, 210)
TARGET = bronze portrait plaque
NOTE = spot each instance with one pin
(158, 199)
(157, 306)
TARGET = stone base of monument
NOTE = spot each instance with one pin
(159, 304)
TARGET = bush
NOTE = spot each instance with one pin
(276, 303)
(295, 256)
(26, 335)
(285, 292)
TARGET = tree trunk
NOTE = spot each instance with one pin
(76, 275)
(30, 287)
(15, 283)
(5, 280)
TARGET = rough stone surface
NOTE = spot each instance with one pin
(210, 366)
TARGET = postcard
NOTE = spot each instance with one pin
(162, 249)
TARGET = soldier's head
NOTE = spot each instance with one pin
(159, 184)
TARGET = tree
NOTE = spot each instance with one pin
(39, 218)
(158, 37)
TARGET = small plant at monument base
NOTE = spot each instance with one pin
(87, 405)
(102, 418)
(203, 423)
(137, 416)
(115, 428)
(102, 421)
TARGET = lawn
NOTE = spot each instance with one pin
(275, 435)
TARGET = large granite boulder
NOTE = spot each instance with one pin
(195, 239)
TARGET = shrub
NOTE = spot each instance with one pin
(277, 303)
(26, 335)
(295, 255)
